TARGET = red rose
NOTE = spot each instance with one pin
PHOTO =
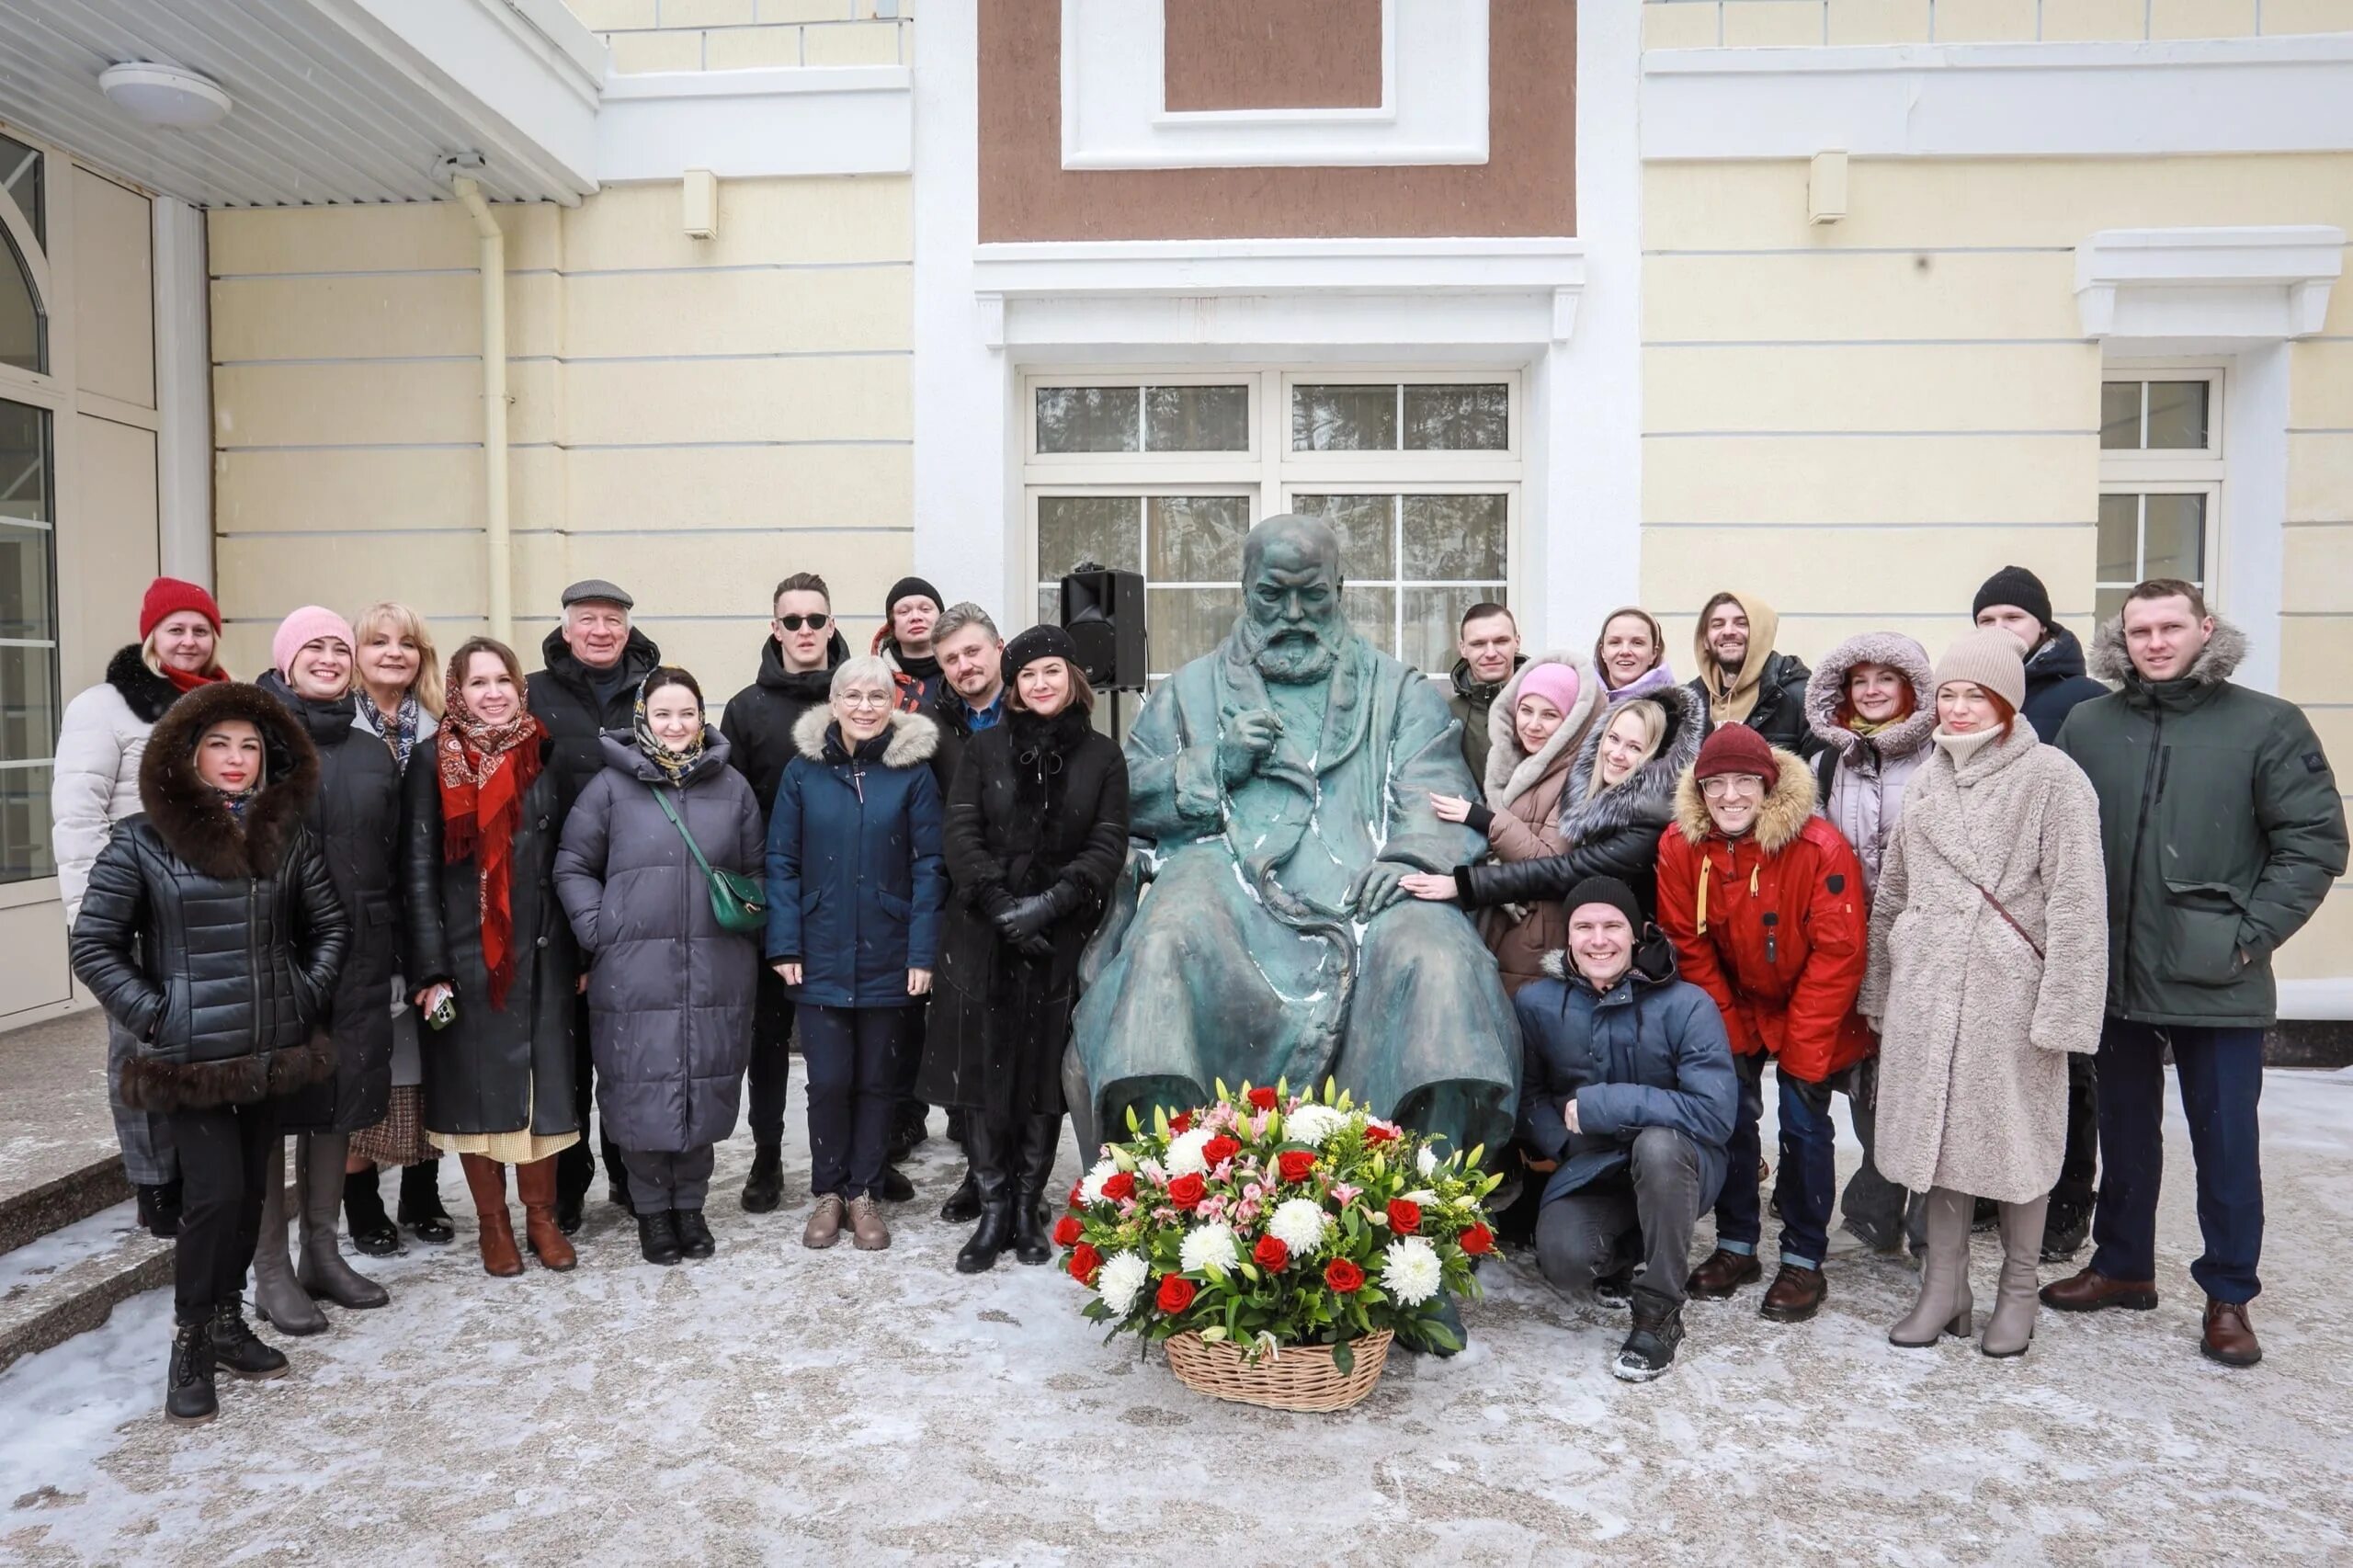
(1405, 1216)
(1343, 1276)
(1187, 1191)
(1478, 1238)
(1121, 1185)
(1084, 1261)
(1294, 1164)
(1270, 1254)
(1181, 1122)
(1066, 1231)
(1077, 1195)
(1177, 1293)
(1219, 1150)
(1376, 1133)
(1262, 1099)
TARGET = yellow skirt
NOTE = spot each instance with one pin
(520, 1147)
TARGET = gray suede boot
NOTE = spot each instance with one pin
(1943, 1306)
(2010, 1329)
(276, 1296)
(319, 1181)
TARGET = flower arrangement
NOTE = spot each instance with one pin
(1267, 1220)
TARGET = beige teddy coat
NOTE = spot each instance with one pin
(1973, 1027)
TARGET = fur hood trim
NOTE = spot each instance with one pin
(1787, 806)
(1646, 797)
(2224, 651)
(1827, 687)
(1511, 772)
(144, 692)
(188, 813)
(914, 737)
(157, 1084)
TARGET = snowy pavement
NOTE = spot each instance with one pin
(779, 1406)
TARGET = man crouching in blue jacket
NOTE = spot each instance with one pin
(1629, 1086)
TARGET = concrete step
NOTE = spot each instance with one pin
(59, 1161)
(66, 1281)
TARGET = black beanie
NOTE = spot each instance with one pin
(2015, 585)
(1038, 642)
(907, 588)
(1609, 891)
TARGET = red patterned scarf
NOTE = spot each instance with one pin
(186, 681)
(486, 769)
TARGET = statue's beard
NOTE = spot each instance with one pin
(1294, 654)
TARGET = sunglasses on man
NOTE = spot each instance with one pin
(795, 622)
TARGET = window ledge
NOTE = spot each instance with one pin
(2223, 286)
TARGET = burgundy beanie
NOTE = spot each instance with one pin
(1736, 748)
(167, 596)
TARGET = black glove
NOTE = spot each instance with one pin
(1039, 947)
(1028, 917)
(993, 902)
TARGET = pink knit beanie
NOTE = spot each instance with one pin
(306, 625)
(1556, 684)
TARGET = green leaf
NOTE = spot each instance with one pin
(1344, 1358)
(1438, 1334)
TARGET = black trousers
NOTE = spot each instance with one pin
(771, 1071)
(851, 1055)
(2079, 1167)
(575, 1167)
(224, 1161)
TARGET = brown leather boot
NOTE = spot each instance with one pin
(486, 1179)
(536, 1183)
(1795, 1295)
(1721, 1273)
(2088, 1292)
(2230, 1338)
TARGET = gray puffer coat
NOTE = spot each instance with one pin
(670, 993)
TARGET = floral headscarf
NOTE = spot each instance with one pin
(486, 769)
(401, 735)
(675, 765)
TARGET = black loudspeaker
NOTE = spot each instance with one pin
(1103, 612)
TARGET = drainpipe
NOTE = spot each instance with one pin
(498, 540)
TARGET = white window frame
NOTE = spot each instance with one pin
(1271, 474)
(2173, 470)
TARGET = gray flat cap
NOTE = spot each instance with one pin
(596, 588)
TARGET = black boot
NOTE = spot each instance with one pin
(236, 1349)
(896, 1187)
(421, 1209)
(657, 1237)
(372, 1231)
(764, 1188)
(964, 1205)
(910, 1125)
(1040, 1135)
(159, 1208)
(694, 1236)
(1650, 1348)
(188, 1398)
(991, 1152)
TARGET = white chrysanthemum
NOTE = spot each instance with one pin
(1184, 1152)
(1311, 1124)
(1123, 1275)
(1426, 1160)
(1410, 1270)
(1209, 1246)
(1091, 1187)
(1298, 1223)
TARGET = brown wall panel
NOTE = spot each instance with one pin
(1526, 185)
(1223, 54)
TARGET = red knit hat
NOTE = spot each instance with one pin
(167, 596)
(1736, 748)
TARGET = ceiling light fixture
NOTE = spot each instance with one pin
(163, 96)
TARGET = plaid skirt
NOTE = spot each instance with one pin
(398, 1139)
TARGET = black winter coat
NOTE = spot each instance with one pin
(1614, 834)
(1780, 714)
(758, 719)
(355, 818)
(492, 1070)
(214, 944)
(955, 721)
(566, 702)
(1040, 805)
(2055, 682)
(670, 991)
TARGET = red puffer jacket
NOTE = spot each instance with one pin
(1771, 924)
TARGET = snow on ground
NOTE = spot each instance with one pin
(779, 1406)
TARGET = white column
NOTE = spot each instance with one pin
(183, 393)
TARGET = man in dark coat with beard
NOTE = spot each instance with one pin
(595, 659)
(797, 662)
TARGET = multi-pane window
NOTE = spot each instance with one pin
(29, 698)
(2161, 481)
(1418, 474)
(24, 319)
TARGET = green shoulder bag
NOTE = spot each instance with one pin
(739, 903)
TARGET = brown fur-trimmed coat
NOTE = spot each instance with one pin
(1976, 1028)
(215, 944)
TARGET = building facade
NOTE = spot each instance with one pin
(1570, 303)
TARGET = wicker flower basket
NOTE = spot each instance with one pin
(1302, 1378)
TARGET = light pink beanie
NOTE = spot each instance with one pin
(1556, 684)
(307, 625)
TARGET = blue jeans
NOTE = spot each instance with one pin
(2221, 1079)
(1804, 1187)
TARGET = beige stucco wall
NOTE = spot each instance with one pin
(722, 35)
(1861, 421)
(691, 418)
(1706, 23)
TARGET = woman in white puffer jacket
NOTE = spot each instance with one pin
(95, 784)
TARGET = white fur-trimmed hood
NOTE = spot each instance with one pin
(1511, 772)
(914, 737)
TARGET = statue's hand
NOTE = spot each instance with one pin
(1382, 884)
(1250, 737)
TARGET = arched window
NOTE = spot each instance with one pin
(24, 316)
